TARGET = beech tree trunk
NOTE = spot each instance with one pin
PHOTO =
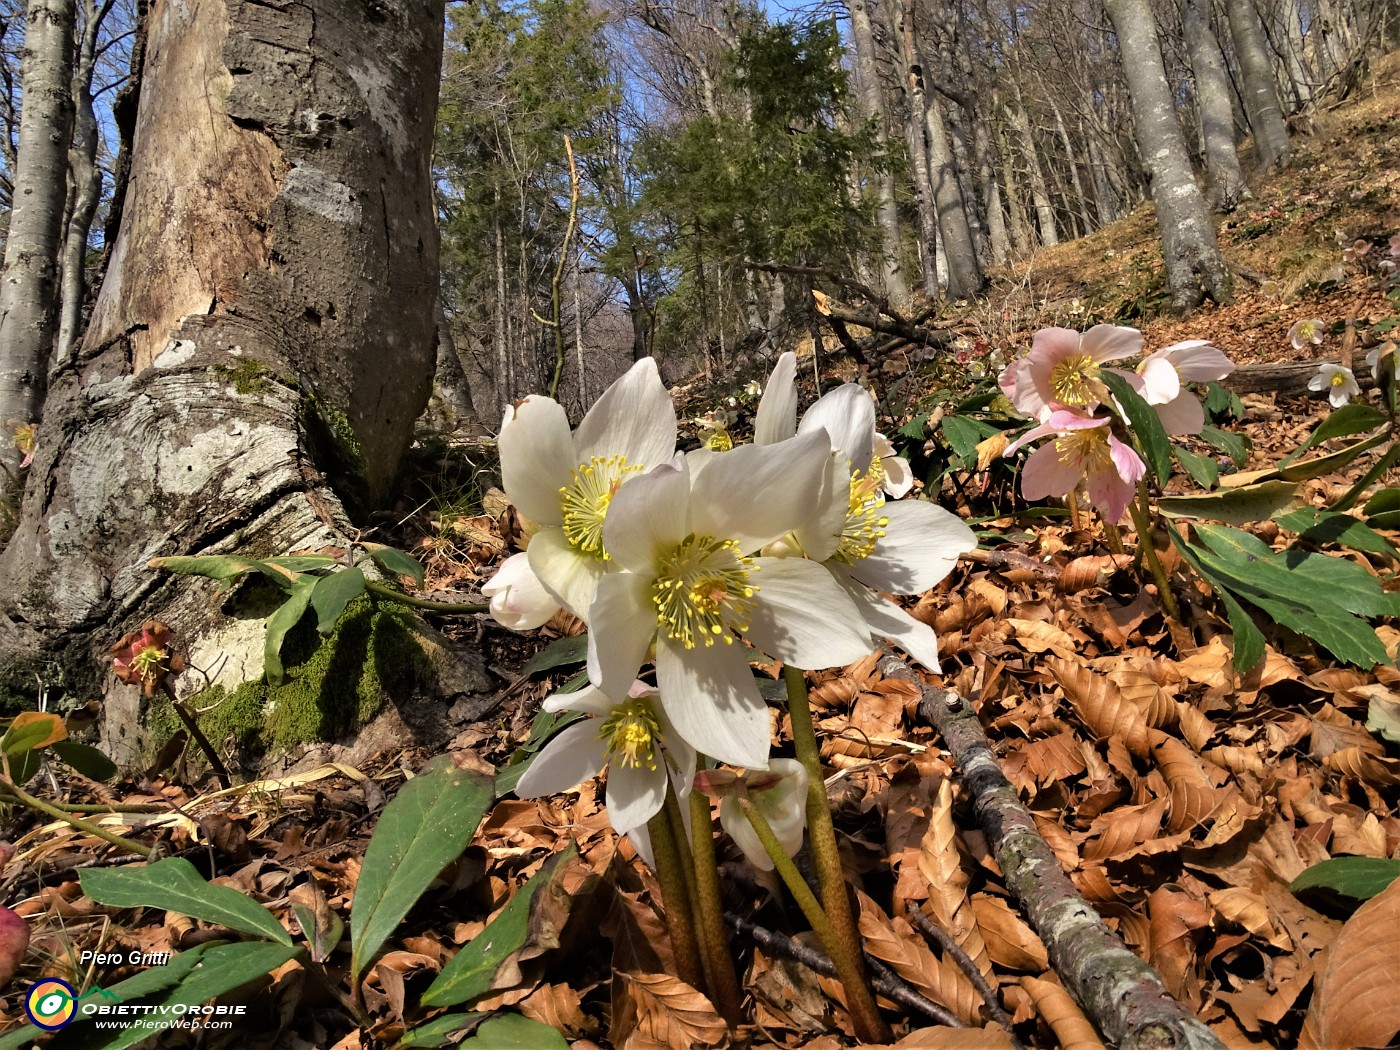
(263, 340)
(1224, 179)
(29, 290)
(1040, 193)
(1189, 246)
(1260, 91)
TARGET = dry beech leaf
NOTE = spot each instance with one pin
(1236, 759)
(1122, 830)
(1355, 1004)
(1037, 636)
(1357, 763)
(1196, 728)
(1073, 1031)
(1010, 942)
(1193, 795)
(560, 1006)
(1054, 758)
(1175, 916)
(1101, 706)
(667, 1011)
(942, 1038)
(1143, 692)
(1250, 910)
(894, 943)
(941, 862)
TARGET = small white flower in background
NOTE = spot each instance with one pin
(1339, 383)
(1382, 359)
(564, 482)
(1304, 332)
(898, 478)
(752, 388)
(632, 739)
(780, 795)
(518, 600)
(1358, 249)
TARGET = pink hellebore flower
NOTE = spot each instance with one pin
(1162, 373)
(1304, 332)
(1062, 368)
(1083, 449)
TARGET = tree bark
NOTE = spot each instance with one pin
(264, 338)
(1190, 250)
(29, 290)
(1040, 194)
(1224, 179)
(1260, 91)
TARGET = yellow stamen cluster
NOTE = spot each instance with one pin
(1338, 379)
(702, 591)
(719, 440)
(584, 501)
(865, 525)
(1073, 380)
(632, 734)
(1087, 449)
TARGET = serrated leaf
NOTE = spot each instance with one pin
(332, 594)
(87, 760)
(963, 434)
(915, 430)
(1203, 470)
(299, 563)
(470, 972)
(174, 885)
(426, 827)
(1354, 418)
(561, 652)
(222, 567)
(284, 618)
(1320, 526)
(1359, 878)
(1234, 506)
(395, 562)
(436, 1031)
(30, 730)
(1236, 446)
(1147, 429)
(1219, 401)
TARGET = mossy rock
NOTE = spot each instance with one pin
(333, 685)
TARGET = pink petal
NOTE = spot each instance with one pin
(1046, 474)
(1107, 342)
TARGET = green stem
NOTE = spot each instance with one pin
(187, 717)
(395, 595)
(82, 825)
(1143, 524)
(709, 908)
(685, 862)
(680, 920)
(846, 951)
(1113, 537)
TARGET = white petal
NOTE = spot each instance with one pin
(921, 545)
(899, 478)
(756, 493)
(1107, 342)
(889, 621)
(1183, 415)
(572, 757)
(641, 842)
(566, 573)
(623, 616)
(518, 600)
(820, 534)
(537, 458)
(1160, 381)
(848, 416)
(634, 795)
(776, 419)
(736, 824)
(712, 700)
(648, 514)
(1199, 362)
(803, 617)
(590, 700)
(635, 418)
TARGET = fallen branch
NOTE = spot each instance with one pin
(954, 951)
(1124, 996)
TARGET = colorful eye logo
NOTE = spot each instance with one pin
(51, 1004)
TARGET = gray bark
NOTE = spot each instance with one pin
(1260, 91)
(964, 275)
(1040, 193)
(1224, 179)
(263, 340)
(1190, 250)
(871, 105)
(29, 289)
(914, 138)
(1018, 222)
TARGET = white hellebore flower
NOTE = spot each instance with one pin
(1307, 331)
(783, 805)
(1339, 383)
(1382, 359)
(633, 739)
(1162, 373)
(564, 483)
(518, 599)
(867, 544)
(685, 536)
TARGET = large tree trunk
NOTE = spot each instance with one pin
(263, 340)
(1260, 90)
(1040, 193)
(1189, 246)
(29, 291)
(1224, 178)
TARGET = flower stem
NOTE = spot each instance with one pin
(426, 604)
(1143, 524)
(680, 920)
(1113, 537)
(845, 949)
(709, 909)
(82, 825)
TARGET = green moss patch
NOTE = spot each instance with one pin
(334, 685)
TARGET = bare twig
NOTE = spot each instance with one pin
(955, 951)
(1124, 996)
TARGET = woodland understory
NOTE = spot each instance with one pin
(1188, 793)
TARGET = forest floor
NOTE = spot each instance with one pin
(1185, 844)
